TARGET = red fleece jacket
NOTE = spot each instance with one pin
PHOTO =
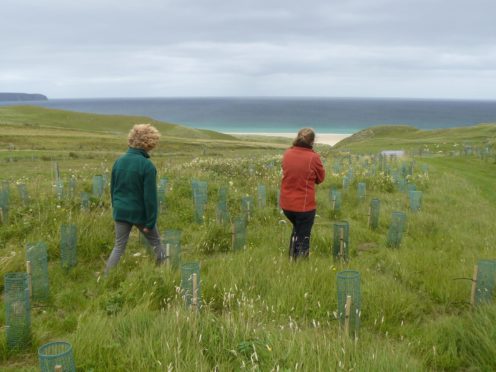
(301, 170)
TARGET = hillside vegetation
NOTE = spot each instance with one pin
(44, 117)
(409, 138)
(258, 310)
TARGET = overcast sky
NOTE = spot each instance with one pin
(334, 48)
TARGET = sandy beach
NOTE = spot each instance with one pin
(324, 138)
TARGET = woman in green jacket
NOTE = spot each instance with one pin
(134, 193)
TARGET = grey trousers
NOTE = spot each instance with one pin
(122, 231)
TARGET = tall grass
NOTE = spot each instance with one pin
(259, 310)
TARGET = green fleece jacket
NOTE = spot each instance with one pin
(134, 189)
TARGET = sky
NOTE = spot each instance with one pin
(196, 48)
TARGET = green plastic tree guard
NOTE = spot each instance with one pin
(223, 194)
(374, 212)
(6, 187)
(37, 255)
(396, 229)
(161, 194)
(415, 200)
(191, 285)
(200, 194)
(68, 245)
(98, 186)
(348, 284)
(239, 233)
(162, 191)
(247, 206)
(341, 241)
(58, 353)
(262, 196)
(336, 200)
(346, 182)
(361, 191)
(172, 245)
(486, 278)
(17, 311)
(23, 193)
(163, 181)
(201, 188)
(4, 206)
(411, 187)
(222, 213)
(72, 186)
(85, 201)
(402, 184)
(199, 211)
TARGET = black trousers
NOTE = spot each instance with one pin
(299, 245)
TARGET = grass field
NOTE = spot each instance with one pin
(258, 310)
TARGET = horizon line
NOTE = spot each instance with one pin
(281, 97)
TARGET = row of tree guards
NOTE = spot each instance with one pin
(341, 232)
(18, 288)
(348, 295)
(61, 193)
(200, 197)
(336, 196)
(21, 287)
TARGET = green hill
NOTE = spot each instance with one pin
(43, 117)
(404, 137)
(258, 310)
(27, 131)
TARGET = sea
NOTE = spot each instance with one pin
(283, 115)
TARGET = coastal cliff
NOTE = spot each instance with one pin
(22, 97)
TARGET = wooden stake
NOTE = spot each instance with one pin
(194, 280)
(347, 312)
(30, 283)
(370, 216)
(474, 285)
(167, 253)
(1, 216)
(341, 242)
(233, 233)
(58, 368)
(334, 203)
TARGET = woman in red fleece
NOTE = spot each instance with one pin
(302, 169)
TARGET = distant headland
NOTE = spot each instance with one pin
(22, 97)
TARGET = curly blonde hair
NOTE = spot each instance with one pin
(143, 136)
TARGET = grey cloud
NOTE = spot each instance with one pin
(151, 22)
(338, 47)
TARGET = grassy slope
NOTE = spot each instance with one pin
(36, 131)
(409, 138)
(261, 311)
(39, 116)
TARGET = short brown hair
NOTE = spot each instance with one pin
(305, 137)
(143, 136)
